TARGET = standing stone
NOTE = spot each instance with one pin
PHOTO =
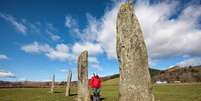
(52, 86)
(83, 92)
(135, 81)
(69, 77)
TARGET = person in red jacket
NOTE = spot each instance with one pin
(95, 84)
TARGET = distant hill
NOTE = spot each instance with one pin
(180, 74)
(174, 74)
(153, 72)
(32, 84)
(171, 75)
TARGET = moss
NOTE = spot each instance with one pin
(125, 6)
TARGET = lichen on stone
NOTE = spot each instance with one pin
(124, 6)
(132, 56)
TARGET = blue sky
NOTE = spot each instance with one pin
(41, 38)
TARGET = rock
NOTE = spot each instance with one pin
(69, 77)
(135, 80)
(52, 86)
(83, 92)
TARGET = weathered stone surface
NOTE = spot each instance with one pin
(52, 86)
(83, 92)
(135, 81)
(69, 77)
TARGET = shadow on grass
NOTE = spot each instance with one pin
(58, 92)
(73, 94)
(102, 99)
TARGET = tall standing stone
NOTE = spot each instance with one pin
(52, 85)
(69, 77)
(83, 92)
(135, 81)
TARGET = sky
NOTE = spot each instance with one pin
(42, 38)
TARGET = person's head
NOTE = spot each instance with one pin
(94, 74)
(97, 76)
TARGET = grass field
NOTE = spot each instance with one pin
(109, 93)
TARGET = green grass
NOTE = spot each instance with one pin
(109, 93)
(33, 94)
(178, 92)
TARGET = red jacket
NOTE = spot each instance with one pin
(95, 82)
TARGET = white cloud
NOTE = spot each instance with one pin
(170, 37)
(70, 22)
(94, 63)
(92, 30)
(87, 36)
(5, 74)
(20, 26)
(63, 70)
(98, 36)
(190, 62)
(51, 31)
(61, 52)
(93, 60)
(3, 57)
(89, 33)
(164, 37)
(96, 66)
(36, 47)
(73, 27)
(92, 48)
(54, 37)
(26, 27)
(107, 33)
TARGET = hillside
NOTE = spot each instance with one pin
(180, 74)
(153, 72)
(171, 75)
(174, 74)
